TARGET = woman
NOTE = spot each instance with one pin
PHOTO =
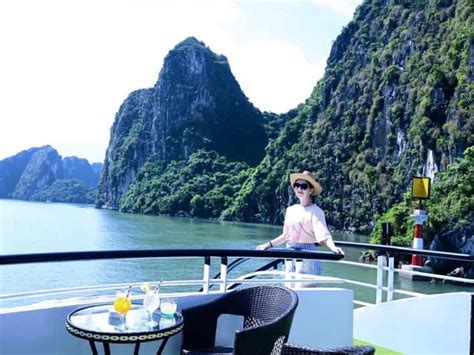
(305, 224)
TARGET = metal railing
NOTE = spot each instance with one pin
(206, 254)
(392, 250)
(385, 264)
(163, 253)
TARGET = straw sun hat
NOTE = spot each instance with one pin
(307, 176)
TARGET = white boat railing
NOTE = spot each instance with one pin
(278, 277)
(293, 278)
(261, 276)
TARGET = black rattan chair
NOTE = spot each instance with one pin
(268, 313)
(290, 349)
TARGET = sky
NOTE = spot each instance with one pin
(67, 65)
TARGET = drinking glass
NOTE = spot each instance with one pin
(122, 305)
(151, 302)
(167, 322)
(168, 307)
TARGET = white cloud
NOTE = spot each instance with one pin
(343, 7)
(275, 75)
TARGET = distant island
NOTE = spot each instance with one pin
(40, 174)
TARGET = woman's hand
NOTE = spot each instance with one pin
(271, 243)
(263, 246)
(330, 244)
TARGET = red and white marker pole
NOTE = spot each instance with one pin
(419, 216)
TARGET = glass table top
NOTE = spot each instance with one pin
(103, 319)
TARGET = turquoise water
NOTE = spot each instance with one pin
(30, 227)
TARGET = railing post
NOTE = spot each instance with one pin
(391, 268)
(207, 267)
(288, 266)
(298, 267)
(380, 265)
(223, 285)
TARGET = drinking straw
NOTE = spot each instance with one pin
(157, 288)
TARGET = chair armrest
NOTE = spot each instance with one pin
(200, 323)
(291, 349)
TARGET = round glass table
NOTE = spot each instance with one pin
(101, 324)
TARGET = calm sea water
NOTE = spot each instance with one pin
(30, 227)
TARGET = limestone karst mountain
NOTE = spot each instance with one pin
(195, 104)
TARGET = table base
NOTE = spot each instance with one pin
(135, 351)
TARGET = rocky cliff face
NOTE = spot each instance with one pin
(11, 170)
(395, 102)
(195, 104)
(44, 167)
(31, 172)
(80, 169)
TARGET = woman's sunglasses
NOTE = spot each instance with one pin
(302, 186)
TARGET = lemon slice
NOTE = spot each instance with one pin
(145, 287)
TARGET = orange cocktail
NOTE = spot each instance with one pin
(122, 304)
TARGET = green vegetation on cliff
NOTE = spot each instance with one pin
(66, 190)
(201, 186)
